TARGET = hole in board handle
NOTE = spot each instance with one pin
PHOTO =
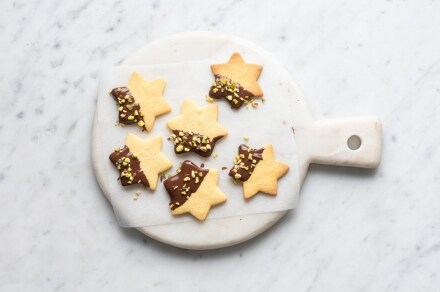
(354, 142)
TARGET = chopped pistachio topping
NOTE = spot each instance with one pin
(245, 162)
(129, 110)
(137, 195)
(185, 141)
(209, 99)
(123, 164)
(234, 93)
(179, 148)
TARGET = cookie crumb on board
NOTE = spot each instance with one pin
(137, 195)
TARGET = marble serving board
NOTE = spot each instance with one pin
(315, 141)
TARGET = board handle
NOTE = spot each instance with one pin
(355, 142)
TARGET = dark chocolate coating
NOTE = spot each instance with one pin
(129, 111)
(230, 90)
(190, 141)
(181, 186)
(245, 162)
(132, 168)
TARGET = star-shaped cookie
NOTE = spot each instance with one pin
(238, 71)
(141, 161)
(258, 170)
(150, 97)
(141, 101)
(194, 190)
(196, 129)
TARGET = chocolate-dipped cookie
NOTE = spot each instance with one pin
(141, 101)
(258, 170)
(140, 161)
(236, 81)
(194, 190)
(196, 129)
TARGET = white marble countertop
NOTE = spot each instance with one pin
(355, 230)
